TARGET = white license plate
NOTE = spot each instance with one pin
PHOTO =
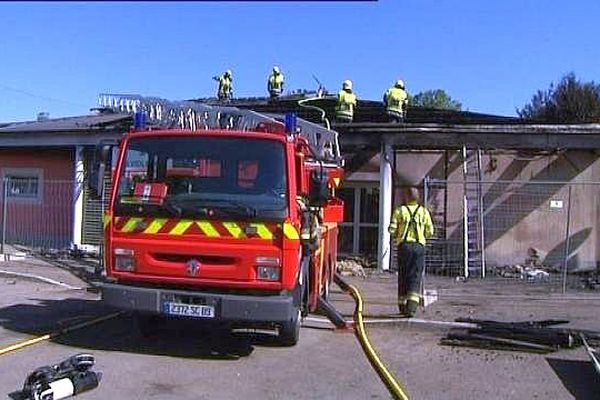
(189, 310)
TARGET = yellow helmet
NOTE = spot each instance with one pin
(400, 83)
(276, 70)
(347, 84)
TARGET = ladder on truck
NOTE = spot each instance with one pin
(196, 116)
(473, 226)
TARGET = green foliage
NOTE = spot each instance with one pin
(570, 101)
(437, 99)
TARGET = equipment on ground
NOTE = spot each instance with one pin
(221, 214)
(67, 378)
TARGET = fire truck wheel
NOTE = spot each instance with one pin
(289, 333)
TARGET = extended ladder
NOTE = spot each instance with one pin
(193, 115)
(473, 234)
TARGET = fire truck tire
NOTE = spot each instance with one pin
(289, 333)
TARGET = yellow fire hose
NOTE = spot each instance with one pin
(390, 381)
(48, 336)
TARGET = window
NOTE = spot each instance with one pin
(23, 183)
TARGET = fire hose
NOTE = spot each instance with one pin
(390, 381)
(49, 336)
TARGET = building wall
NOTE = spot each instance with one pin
(39, 196)
(524, 213)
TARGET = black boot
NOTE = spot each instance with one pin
(411, 308)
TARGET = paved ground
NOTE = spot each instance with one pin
(184, 362)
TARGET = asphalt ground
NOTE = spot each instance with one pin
(184, 361)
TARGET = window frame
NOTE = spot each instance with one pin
(10, 173)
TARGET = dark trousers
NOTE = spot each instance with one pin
(411, 261)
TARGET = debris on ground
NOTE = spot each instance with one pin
(65, 379)
(351, 267)
(519, 271)
(528, 336)
(591, 282)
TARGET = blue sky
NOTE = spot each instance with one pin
(490, 55)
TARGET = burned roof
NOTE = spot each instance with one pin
(366, 111)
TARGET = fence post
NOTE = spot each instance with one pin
(567, 239)
(4, 208)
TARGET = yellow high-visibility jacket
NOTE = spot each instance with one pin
(275, 83)
(346, 102)
(225, 85)
(396, 100)
(401, 228)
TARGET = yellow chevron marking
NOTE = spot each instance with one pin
(262, 231)
(106, 220)
(131, 224)
(290, 231)
(181, 227)
(208, 229)
(336, 182)
(156, 225)
(234, 229)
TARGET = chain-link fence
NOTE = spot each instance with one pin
(36, 213)
(529, 231)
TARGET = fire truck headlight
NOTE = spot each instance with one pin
(268, 273)
(124, 260)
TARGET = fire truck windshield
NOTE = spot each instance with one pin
(203, 177)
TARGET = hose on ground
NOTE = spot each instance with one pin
(395, 388)
(29, 342)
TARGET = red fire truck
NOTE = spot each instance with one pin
(222, 215)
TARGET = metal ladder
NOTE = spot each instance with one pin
(196, 116)
(473, 233)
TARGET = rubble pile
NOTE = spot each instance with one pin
(351, 267)
(529, 336)
(533, 268)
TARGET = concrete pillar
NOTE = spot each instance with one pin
(385, 207)
(78, 178)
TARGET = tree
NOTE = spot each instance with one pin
(437, 99)
(570, 101)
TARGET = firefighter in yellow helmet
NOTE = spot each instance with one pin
(411, 226)
(275, 83)
(396, 100)
(225, 91)
(346, 103)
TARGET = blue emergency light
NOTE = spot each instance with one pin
(139, 120)
(290, 122)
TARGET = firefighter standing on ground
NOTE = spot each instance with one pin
(346, 102)
(275, 83)
(225, 91)
(411, 226)
(396, 100)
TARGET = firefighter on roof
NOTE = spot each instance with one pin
(411, 226)
(396, 100)
(275, 83)
(346, 102)
(225, 91)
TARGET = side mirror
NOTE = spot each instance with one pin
(319, 188)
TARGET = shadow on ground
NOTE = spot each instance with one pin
(578, 377)
(176, 338)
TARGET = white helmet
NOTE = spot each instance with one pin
(276, 69)
(347, 85)
(400, 83)
(228, 72)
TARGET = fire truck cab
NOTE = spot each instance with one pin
(234, 222)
